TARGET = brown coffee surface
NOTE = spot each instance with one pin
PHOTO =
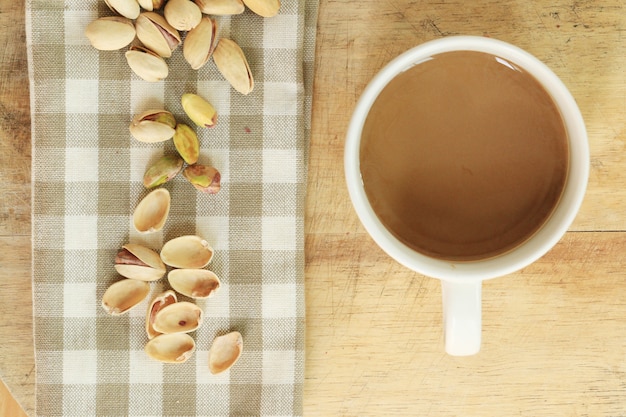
(464, 156)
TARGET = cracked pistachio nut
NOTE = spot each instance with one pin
(146, 64)
(138, 262)
(203, 177)
(187, 251)
(151, 5)
(200, 111)
(156, 34)
(126, 8)
(225, 351)
(194, 283)
(221, 7)
(152, 211)
(110, 33)
(265, 8)
(153, 125)
(180, 317)
(158, 303)
(182, 14)
(200, 43)
(162, 171)
(171, 348)
(186, 143)
(124, 295)
(232, 64)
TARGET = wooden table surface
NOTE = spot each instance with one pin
(554, 334)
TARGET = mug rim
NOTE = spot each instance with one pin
(549, 233)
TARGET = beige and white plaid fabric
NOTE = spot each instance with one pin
(87, 173)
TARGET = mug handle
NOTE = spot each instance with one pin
(462, 316)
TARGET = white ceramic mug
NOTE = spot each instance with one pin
(462, 281)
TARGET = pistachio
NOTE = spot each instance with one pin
(200, 43)
(110, 33)
(158, 303)
(138, 262)
(231, 62)
(194, 283)
(146, 64)
(151, 5)
(203, 177)
(200, 111)
(187, 251)
(181, 317)
(151, 213)
(225, 351)
(124, 295)
(171, 348)
(156, 34)
(182, 14)
(187, 144)
(126, 8)
(221, 7)
(162, 171)
(265, 8)
(154, 125)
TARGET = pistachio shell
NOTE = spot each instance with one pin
(182, 14)
(225, 351)
(200, 43)
(124, 295)
(200, 111)
(138, 262)
(187, 251)
(155, 125)
(162, 171)
(194, 283)
(126, 8)
(203, 177)
(181, 317)
(146, 64)
(151, 5)
(171, 348)
(221, 7)
(265, 8)
(110, 33)
(151, 213)
(231, 62)
(159, 302)
(156, 34)
(186, 143)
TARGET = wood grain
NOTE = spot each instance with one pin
(553, 333)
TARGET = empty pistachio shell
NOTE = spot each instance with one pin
(151, 5)
(152, 211)
(182, 14)
(186, 143)
(187, 252)
(147, 64)
(225, 351)
(194, 283)
(232, 64)
(265, 8)
(181, 317)
(162, 171)
(124, 295)
(171, 348)
(159, 302)
(200, 42)
(203, 177)
(221, 7)
(138, 262)
(155, 125)
(126, 8)
(200, 111)
(156, 34)
(110, 33)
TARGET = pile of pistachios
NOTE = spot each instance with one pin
(152, 31)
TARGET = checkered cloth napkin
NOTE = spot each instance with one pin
(87, 179)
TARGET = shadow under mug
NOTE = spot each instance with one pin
(462, 281)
